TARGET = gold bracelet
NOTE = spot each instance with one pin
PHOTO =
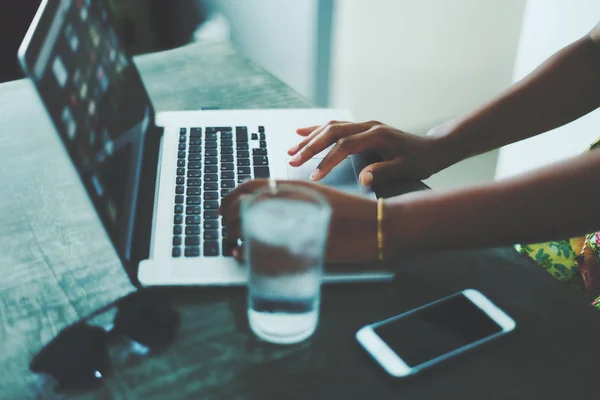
(379, 228)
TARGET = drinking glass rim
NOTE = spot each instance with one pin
(323, 204)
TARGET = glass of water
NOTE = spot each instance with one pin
(285, 229)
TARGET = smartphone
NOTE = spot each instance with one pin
(408, 343)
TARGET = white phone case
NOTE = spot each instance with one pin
(395, 366)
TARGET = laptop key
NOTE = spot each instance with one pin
(212, 169)
(192, 230)
(259, 152)
(261, 129)
(210, 145)
(180, 180)
(194, 173)
(211, 224)
(210, 137)
(182, 131)
(241, 134)
(181, 154)
(194, 165)
(195, 149)
(211, 235)
(211, 152)
(211, 214)
(241, 146)
(181, 162)
(179, 189)
(211, 185)
(255, 136)
(225, 192)
(228, 247)
(261, 172)
(226, 135)
(211, 195)
(177, 240)
(195, 157)
(260, 160)
(176, 252)
(192, 251)
(211, 205)
(263, 136)
(226, 142)
(219, 129)
(194, 182)
(243, 178)
(182, 139)
(181, 146)
(262, 144)
(243, 154)
(211, 177)
(180, 171)
(195, 141)
(193, 201)
(177, 230)
(224, 232)
(227, 158)
(226, 166)
(178, 219)
(227, 175)
(226, 150)
(211, 161)
(192, 210)
(178, 209)
(179, 199)
(192, 240)
(211, 248)
(243, 162)
(227, 184)
(193, 191)
(192, 220)
(195, 132)
(244, 171)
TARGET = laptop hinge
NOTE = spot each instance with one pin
(142, 232)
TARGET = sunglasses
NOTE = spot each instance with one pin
(83, 354)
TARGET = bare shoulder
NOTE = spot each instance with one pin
(595, 33)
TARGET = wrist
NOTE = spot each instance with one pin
(446, 145)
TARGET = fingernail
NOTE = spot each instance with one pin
(293, 149)
(366, 179)
(316, 175)
(235, 253)
(295, 158)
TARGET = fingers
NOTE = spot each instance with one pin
(310, 133)
(323, 137)
(307, 130)
(382, 171)
(346, 146)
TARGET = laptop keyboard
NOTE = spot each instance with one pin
(210, 163)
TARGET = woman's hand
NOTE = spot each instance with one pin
(352, 229)
(405, 155)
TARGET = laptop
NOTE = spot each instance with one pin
(156, 179)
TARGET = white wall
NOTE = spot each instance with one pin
(548, 26)
(414, 64)
(280, 35)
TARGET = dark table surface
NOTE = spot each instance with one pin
(56, 265)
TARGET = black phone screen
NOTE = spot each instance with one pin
(437, 329)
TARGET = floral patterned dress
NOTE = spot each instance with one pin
(571, 259)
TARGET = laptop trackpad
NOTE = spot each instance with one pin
(342, 177)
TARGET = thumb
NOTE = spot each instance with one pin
(381, 171)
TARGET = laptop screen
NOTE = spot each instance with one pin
(97, 102)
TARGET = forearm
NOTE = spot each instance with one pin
(552, 203)
(562, 89)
